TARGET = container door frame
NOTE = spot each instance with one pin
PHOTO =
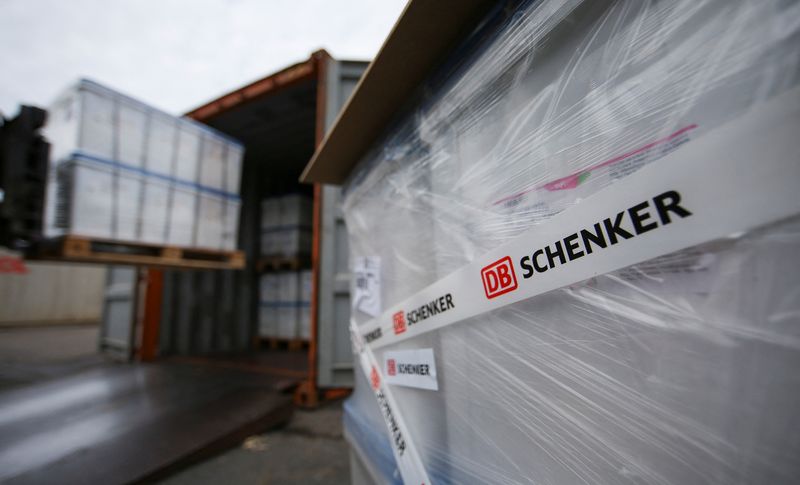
(120, 345)
(332, 365)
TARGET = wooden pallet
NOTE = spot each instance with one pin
(274, 343)
(80, 249)
(280, 263)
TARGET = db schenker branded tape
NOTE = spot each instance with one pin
(737, 177)
(405, 452)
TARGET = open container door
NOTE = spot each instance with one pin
(334, 356)
(117, 329)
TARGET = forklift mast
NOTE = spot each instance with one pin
(24, 158)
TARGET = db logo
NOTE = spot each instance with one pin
(499, 278)
(399, 321)
(375, 378)
(391, 367)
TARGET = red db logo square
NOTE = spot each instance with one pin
(391, 367)
(374, 378)
(499, 278)
(399, 321)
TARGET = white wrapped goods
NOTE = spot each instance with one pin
(122, 170)
(587, 228)
(284, 309)
(286, 226)
(269, 297)
(289, 305)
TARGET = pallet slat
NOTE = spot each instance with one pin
(281, 263)
(104, 251)
(274, 343)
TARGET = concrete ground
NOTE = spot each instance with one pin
(309, 450)
(33, 353)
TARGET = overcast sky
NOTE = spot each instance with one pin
(174, 54)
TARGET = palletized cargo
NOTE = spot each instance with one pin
(587, 213)
(285, 305)
(122, 170)
(286, 226)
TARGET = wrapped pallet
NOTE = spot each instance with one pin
(285, 305)
(269, 300)
(286, 226)
(586, 230)
(288, 307)
(124, 171)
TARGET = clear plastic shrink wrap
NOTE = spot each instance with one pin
(682, 369)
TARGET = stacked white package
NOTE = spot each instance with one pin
(212, 203)
(230, 227)
(304, 305)
(184, 195)
(678, 367)
(286, 226)
(131, 119)
(285, 302)
(211, 220)
(165, 180)
(269, 297)
(95, 184)
(89, 121)
(295, 235)
(232, 176)
(289, 305)
(162, 132)
(233, 168)
(270, 226)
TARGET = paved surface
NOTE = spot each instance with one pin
(51, 343)
(310, 450)
(31, 354)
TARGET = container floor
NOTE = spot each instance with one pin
(121, 423)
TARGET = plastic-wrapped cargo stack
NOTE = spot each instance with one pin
(678, 367)
(285, 305)
(286, 295)
(286, 226)
(122, 170)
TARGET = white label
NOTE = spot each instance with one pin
(367, 277)
(735, 178)
(411, 368)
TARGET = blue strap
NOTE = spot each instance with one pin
(79, 155)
